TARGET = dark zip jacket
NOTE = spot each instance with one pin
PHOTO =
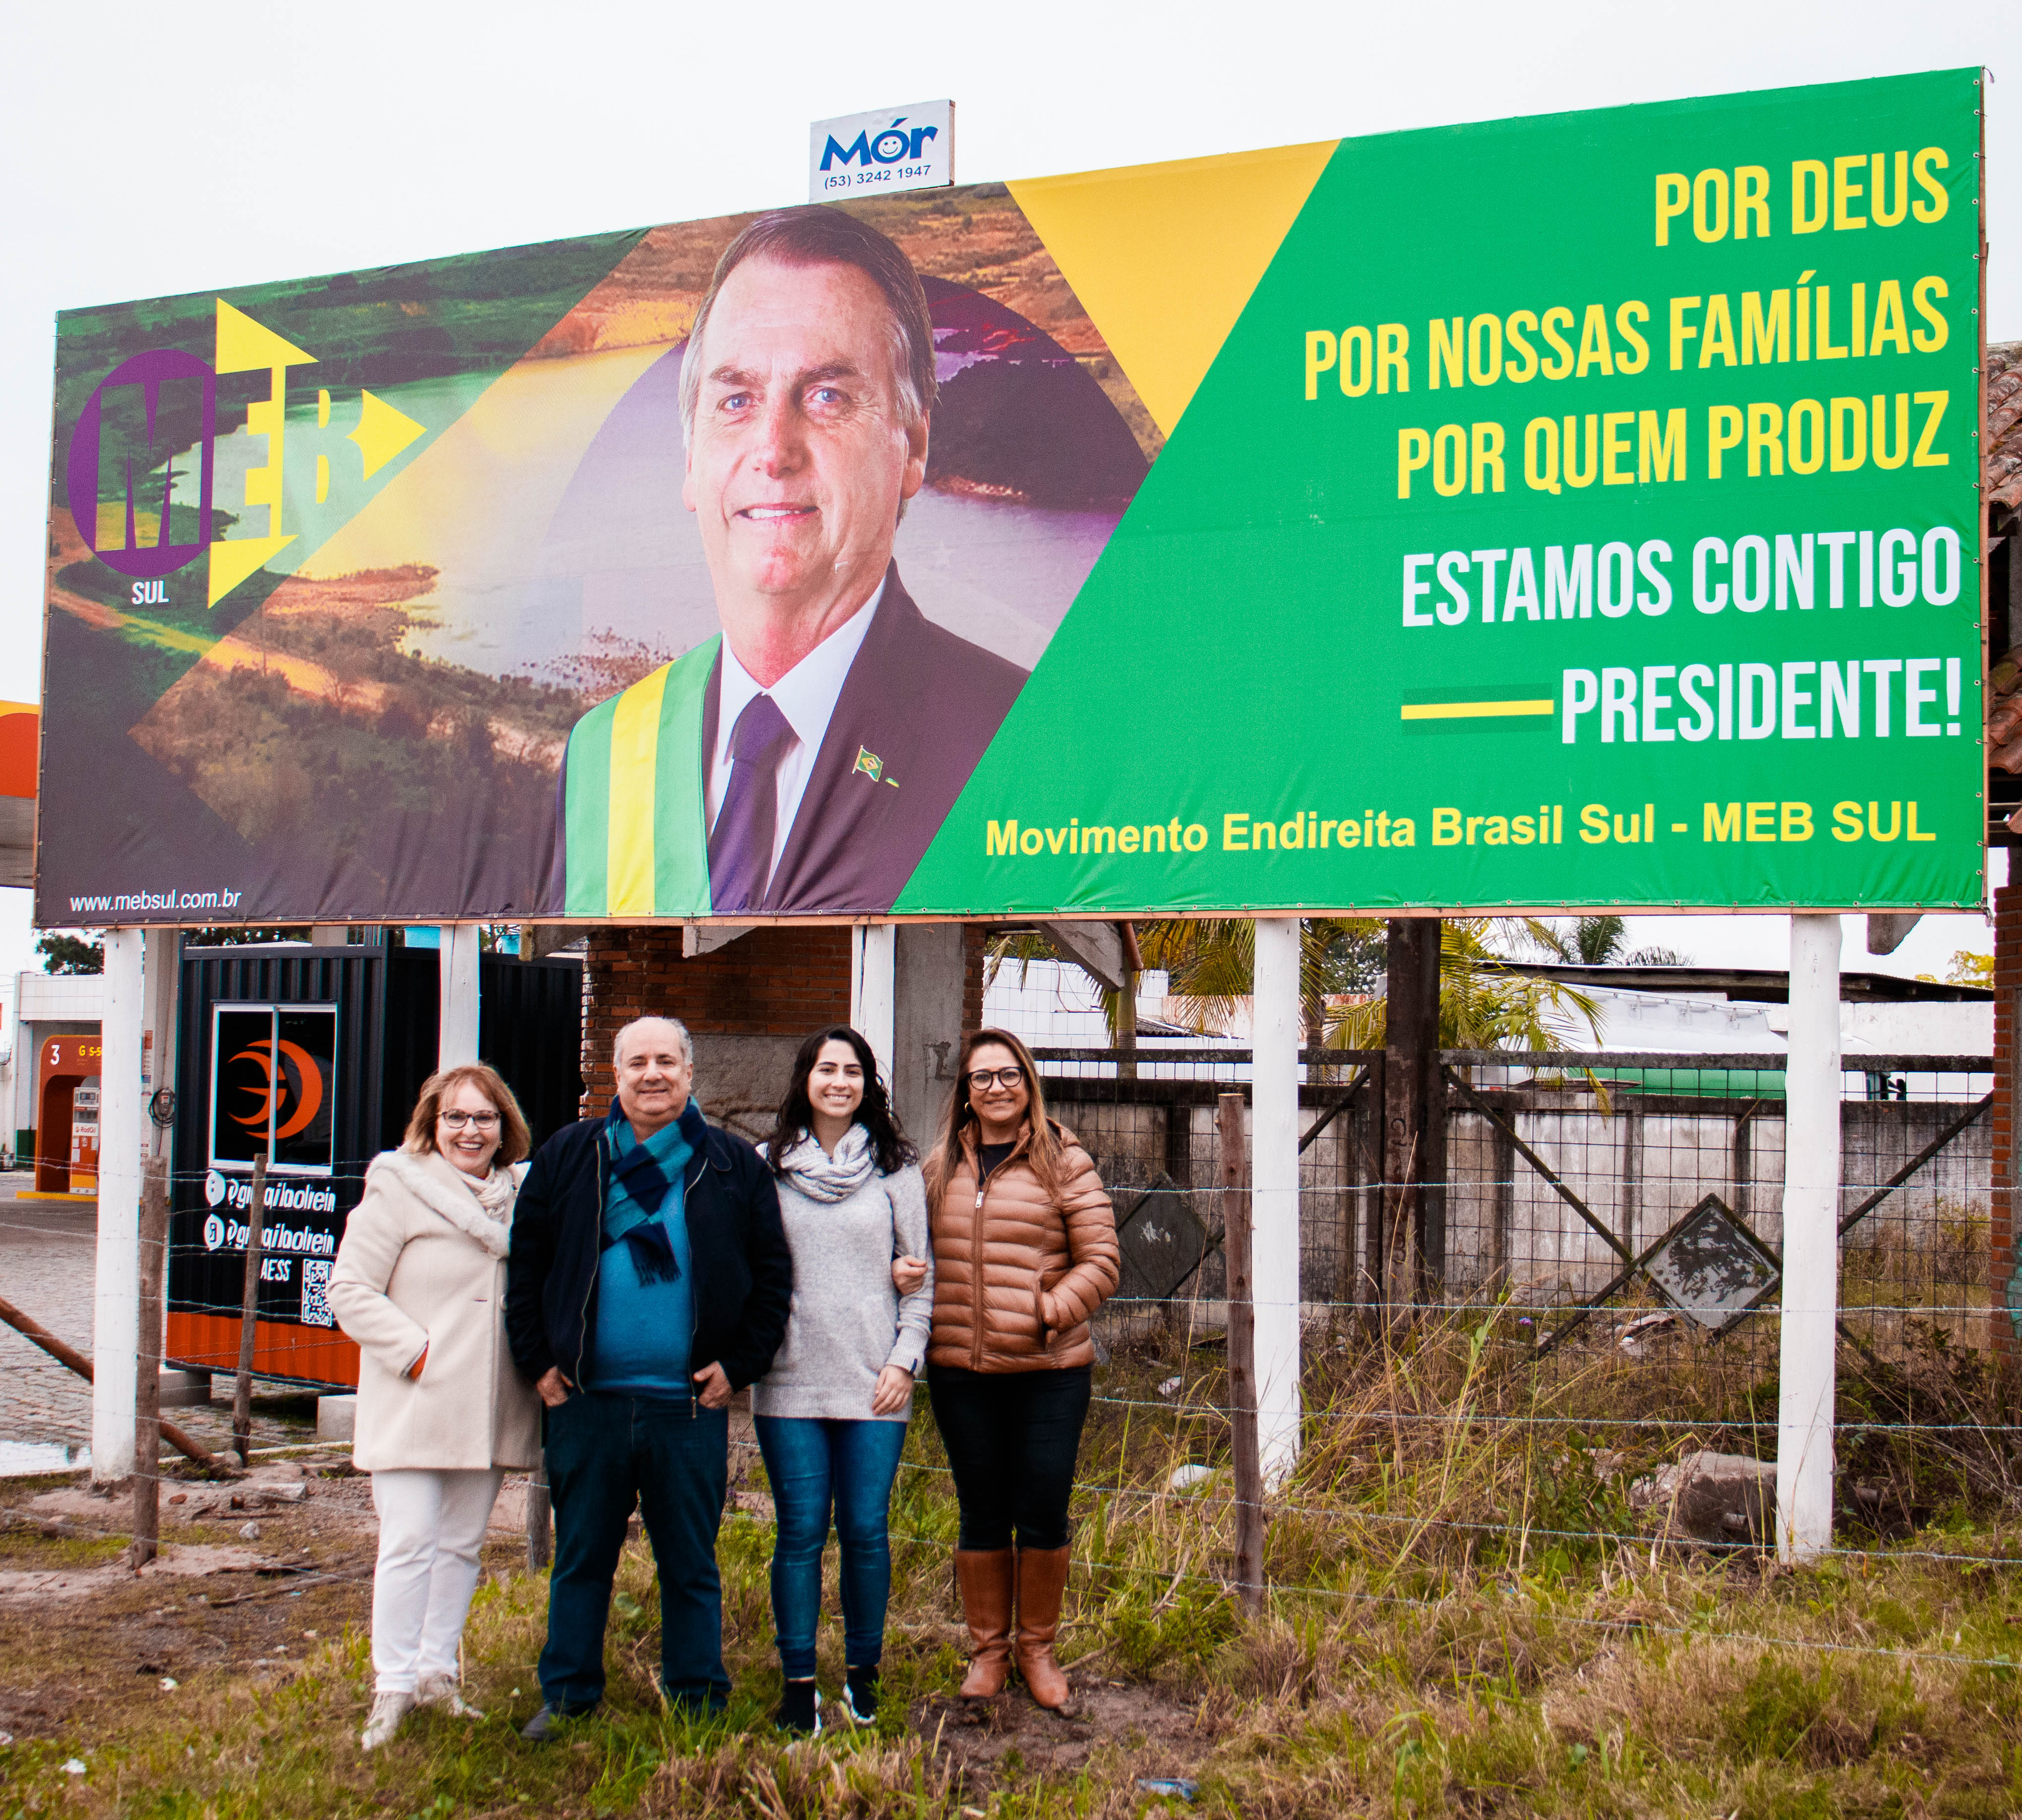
(743, 1273)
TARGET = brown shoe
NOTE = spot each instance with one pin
(1043, 1577)
(984, 1575)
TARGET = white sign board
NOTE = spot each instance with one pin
(882, 152)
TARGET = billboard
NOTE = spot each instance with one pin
(1573, 510)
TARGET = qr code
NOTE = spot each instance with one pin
(315, 1292)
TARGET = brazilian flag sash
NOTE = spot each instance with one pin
(633, 816)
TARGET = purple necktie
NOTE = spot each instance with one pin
(740, 845)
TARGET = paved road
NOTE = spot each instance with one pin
(47, 1256)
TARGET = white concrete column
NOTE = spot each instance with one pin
(1810, 1243)
(1274, 1180)
(456, 1040)
(874, 949)
(115, 1336)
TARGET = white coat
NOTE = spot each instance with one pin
(423, 1265)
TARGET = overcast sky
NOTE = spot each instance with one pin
(151, 151)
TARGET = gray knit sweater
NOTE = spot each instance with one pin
(844, 1224)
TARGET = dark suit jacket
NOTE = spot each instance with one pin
(917, 709)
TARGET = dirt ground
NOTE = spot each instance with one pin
(256, 1572)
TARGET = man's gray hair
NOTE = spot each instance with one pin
(674, 1023)
(815, 234)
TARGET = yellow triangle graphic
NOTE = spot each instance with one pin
(1163, 256)
(234, 559)
(243, 346)
(382, 432)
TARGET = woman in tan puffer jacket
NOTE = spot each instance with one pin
(1024, 1244)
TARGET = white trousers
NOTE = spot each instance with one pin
(431, 1527)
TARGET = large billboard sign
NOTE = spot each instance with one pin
(1576, 510)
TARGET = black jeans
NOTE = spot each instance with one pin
(606, 1455)
(1012, 1437)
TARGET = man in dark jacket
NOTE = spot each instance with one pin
(648, 1279)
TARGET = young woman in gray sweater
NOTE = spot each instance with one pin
(832, 1414)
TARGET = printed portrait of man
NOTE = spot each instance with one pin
(802, 760)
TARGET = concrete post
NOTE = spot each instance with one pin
(1273, 1142)
(873, 959)
(456, 1034)
(1811, 1244)
(116, 1312)
(927, 976)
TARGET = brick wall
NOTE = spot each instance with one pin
(773, 982)
(2007, 1164)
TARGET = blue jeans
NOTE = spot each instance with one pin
(605, 1455)
(816, 1465)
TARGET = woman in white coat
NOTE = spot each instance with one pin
(443, 1413)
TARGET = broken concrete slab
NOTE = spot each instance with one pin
(1712, 1498)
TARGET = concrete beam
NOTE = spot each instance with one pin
(927, 989)
(1096, 948)
(1810, 1291)
(456, 1033)
(1886, 934)
(873, 958)
(1274, 1176)
(116, 1311)
(706, 938)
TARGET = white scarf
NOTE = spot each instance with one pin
(822, 1177)
(494, 1193)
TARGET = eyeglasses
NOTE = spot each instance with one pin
(456, 1121)
(980, 1078)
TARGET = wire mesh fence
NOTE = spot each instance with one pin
(1594, 1269)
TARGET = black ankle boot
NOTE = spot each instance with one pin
(859, 1699)
(799, 1709)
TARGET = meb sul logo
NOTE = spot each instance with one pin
(272, 1071)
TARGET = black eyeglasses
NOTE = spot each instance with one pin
(456, 1121)
(980, 1078)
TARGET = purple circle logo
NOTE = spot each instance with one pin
(149, 371)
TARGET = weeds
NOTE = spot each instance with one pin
(1465, 1616)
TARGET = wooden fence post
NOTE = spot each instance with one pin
(1242, 1353)
(540, 1528)
(249, 1317)
(147, 1366)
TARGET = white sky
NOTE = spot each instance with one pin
(150, 152)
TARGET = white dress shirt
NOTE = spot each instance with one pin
(806, 695)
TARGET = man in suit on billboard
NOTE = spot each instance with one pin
(802, 761)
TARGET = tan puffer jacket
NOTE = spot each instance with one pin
(1016, 1273)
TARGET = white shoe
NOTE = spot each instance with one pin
(388, 1711)
(445, 1691)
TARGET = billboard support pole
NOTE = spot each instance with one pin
(1274, 1138)
(1811, 1244)
(456, 1040)
(874, 953)
(116, 1314)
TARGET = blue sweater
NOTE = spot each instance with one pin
(640, 1345)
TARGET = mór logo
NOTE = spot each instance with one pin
(887, 146)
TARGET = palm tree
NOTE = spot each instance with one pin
(1598, 941)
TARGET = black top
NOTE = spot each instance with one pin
(744, 1278)
(988, 1156)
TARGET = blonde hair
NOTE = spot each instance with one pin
(515, 1140)
(1043, 1152)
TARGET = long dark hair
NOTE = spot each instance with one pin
(1043, 1152)
(796, 1111)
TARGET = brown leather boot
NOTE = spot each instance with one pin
(984, 1576)
(1043, 1577)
